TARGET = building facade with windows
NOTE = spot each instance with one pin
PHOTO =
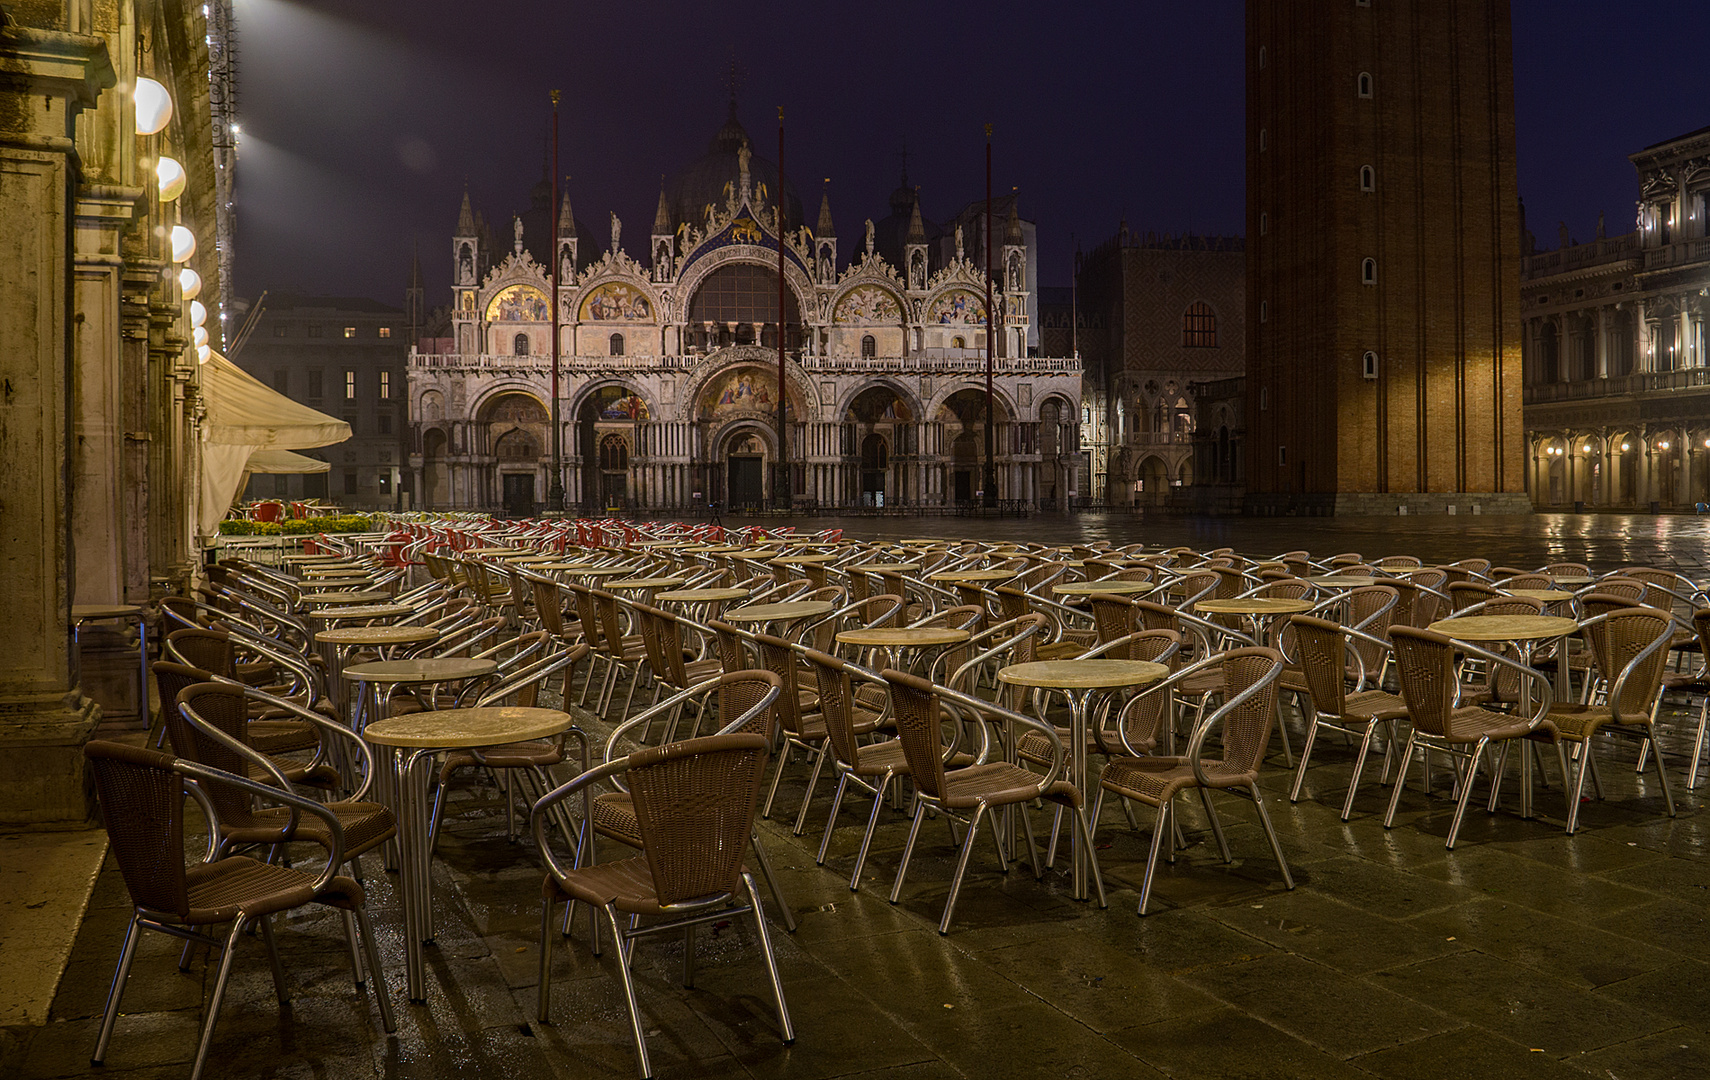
(670, 385)
(1156, 316)
(345, 356)
(1617, 378)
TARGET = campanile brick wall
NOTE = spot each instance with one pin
(1420, 92)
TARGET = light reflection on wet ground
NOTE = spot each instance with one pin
(1605, 541)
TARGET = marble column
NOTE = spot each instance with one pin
(44, 716)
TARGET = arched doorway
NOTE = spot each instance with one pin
(878, 429)
(436, 475)
(745, 471)
(874, 457)
(512, 429)
(610, 412)
(963, 418)
(614, 470)
(1152, 482)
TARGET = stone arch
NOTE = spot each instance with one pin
(700, 267)
(591, 389)
(909, 398)
(803, 395)
(586, 291)
(1007, 410)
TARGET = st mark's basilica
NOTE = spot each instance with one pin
(669, 366)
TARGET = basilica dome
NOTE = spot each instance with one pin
(688, 192)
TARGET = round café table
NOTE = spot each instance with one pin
(1079, 681)
(1572, 579)
(412, 742)
(782, 615)
(647, 586)
(1103, 588)
(976, 577)
(711, 599)
(1342, 581)
(340, 640)
(894, 639)
(333, 599)
(1550, 597)
(377, 680)
(1524, 632)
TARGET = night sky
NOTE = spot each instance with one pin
(362, 119)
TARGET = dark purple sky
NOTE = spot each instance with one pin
(363, 118)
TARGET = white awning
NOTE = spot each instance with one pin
(284, 461)
(243, 417)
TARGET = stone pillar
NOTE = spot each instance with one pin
(44, 717)
(1600, 367)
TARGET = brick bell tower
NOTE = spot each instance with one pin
(1383, 256)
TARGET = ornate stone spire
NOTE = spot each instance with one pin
(1012, 227)
(466, 216)
(662, 216)
(566, 219)
(916, 227)
(825, 230)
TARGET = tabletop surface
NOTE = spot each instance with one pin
(647, 583)
(789, 609)
(603, 571)
(805, 560)
(310, 558)
(376, 635)
(1342, 581)
(104, 611)
(492, 551)
(559, 566)
(767, 553)
(1254, 605)
(363, 611)
(884, 636)
(1571, 579)
(324, 599)
(888, 568)
(974, 575)
(426, 669)
(692, 596)
(1548, 596)
(1504, 627)
(1083, 674)
(1087, 588)
(452, 728)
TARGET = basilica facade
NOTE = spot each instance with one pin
(669, 374)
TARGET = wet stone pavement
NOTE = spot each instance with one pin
(1523, 953)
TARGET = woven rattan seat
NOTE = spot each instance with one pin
(1630, 647)
(981, 787)
(1244, 722)
(694, 802)
(1426, 667)
(1328, 662)
(142, 802)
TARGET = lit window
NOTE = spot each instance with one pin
(350, 331)
(1365, 84)
(1199, 327)
(350, 386)
(385, 384)
(1368, 272)
(384, 331)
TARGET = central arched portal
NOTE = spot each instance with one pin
(879, 433)
(607, 424)
(963, 418)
